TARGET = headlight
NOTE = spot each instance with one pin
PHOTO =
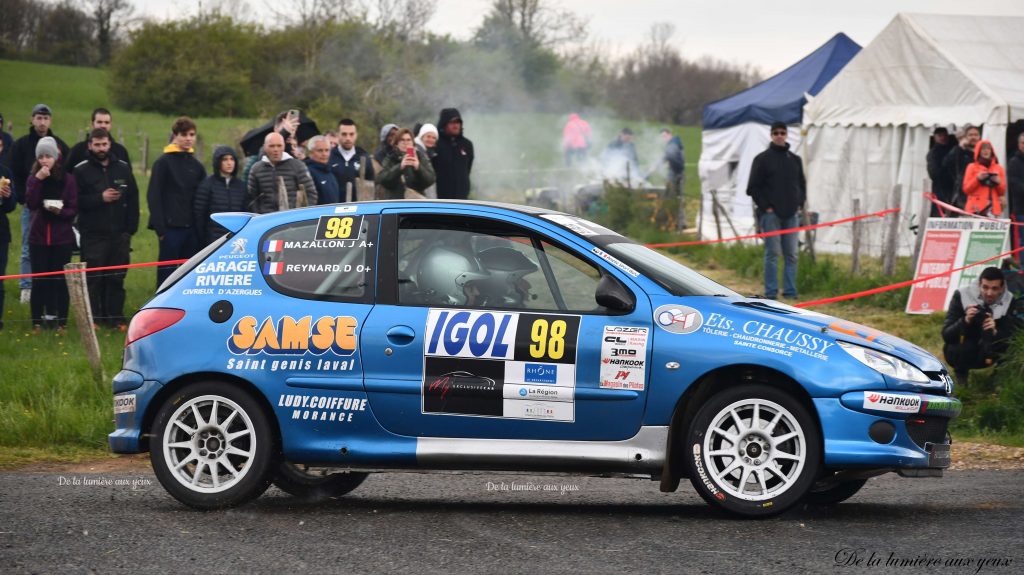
(884, 363)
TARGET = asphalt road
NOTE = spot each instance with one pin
(415, 524)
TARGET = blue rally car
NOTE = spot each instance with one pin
(311, 347)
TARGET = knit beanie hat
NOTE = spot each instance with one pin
(47, 146)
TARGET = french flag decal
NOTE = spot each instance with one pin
(273, 246)
(273, 268)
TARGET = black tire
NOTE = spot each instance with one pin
(823, 493)
(295, 480)
(233, 462)
(784, 471)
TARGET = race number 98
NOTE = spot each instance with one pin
(547, 338)
(337, 227)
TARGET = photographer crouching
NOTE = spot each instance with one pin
(979, 324)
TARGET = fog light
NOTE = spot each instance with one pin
(882, 432)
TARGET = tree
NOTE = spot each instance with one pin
(532, 23)
(201, 66)
(109, 18)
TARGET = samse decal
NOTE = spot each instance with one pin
(288, 336)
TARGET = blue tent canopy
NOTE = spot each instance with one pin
(781, 97)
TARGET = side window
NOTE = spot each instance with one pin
(330, 258)
(484, 263)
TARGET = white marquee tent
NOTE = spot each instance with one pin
(735, 129)
(869, 128)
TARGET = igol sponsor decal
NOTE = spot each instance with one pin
(893, 402)
(678, 319)
(699, 462)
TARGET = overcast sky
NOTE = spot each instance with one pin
(770, 34)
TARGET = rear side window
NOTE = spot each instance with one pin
(330, 258)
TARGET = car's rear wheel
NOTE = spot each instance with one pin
(826, 492)
(299, 481)
(212, 446)
(752, 450)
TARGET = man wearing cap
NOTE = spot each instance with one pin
(23, 156)
(959, 157)
(942, 180)
(779, 189)
(101, 119)
(454, 159)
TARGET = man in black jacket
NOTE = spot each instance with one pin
(172, 187)
(349, 162)
(779, 189)
(22, 157)
(956, 161)
(942, 180)
(108, 216)
(1015, 185)
(454, 159)
(8, 201)
(979, 324)
(80, 151)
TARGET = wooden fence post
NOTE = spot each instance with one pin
(857, 231)
(145, 155)
(79, 293)
(891, 240)
(923, 216)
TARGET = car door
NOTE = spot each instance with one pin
(486, 325)
(297, 336)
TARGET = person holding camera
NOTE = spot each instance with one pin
(404, 167)
(979, 324)
(108, 217)
(984, 182)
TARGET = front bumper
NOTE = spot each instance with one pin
(919, 423)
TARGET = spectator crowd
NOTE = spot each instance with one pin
(86, 197)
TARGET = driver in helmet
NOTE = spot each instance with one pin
(494, 277)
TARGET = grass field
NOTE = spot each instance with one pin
(50, 408)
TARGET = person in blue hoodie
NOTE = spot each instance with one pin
(319, 165)
(222, 191)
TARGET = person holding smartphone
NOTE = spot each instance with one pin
(108, 217)
(404, 167)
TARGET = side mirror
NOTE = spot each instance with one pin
(611, 294)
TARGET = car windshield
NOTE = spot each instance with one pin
(676, 278)
(668, 273)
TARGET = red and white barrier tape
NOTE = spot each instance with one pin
(943, 206)
(880, 214)
(895, 286)
(99, 269)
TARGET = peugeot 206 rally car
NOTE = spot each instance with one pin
(311, 347)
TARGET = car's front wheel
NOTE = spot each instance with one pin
(299, 481)
(212, 446)
(753, 450)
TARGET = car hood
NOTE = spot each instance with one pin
(833, 328)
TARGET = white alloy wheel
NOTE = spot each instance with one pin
(209, 444)
(755, 449)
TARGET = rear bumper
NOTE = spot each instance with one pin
(130, 390)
